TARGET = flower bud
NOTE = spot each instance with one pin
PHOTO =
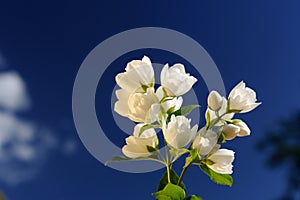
(214, 101)
(230, 131)
(244, 129)
(211, 114)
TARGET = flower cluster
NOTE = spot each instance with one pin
(161, 108)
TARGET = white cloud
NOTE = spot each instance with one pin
(24, 145)
(23, 148)
(13, 95)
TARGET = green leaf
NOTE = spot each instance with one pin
(192, 158)
(193, 197)
(145, 87)
(174, 179)
(153, 156)
(185, 110)
(228, 106)
(151, 149)
(117, 159)
(222, 179)
(233, 121)
(163, 198)
(188, 161)
(207, 116)
(234, 111)
(194, 154)
(148, 126)
(170, 192)
(171, 110)
(222, 138)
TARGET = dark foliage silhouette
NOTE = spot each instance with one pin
(283, 147)
(2, 197)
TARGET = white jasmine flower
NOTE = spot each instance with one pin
(143, 107)
(175, 80)
(222, 161)
(137, 73)
(242, 99)
(178, 132)
(137, 145)
(170, 102)
(205, 141)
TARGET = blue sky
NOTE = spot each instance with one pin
(42, 45)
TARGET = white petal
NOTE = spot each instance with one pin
(240, 85)
(251, 94)
(132, 153)
(179, 68)
(175, 103)
(183, 139)
(152, 115)
(121, 106)
(250, 107)
(222, 169)
(225, 156)
(164, 73)
(244, 129)
(205, 141)
(147, 60)
(127, 83)
(178, 133)
(159, 93)
(178, 103)
(137, 147)
(139, 106)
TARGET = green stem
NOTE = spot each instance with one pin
(183, 173)
(168, 162)
(169, 173)
(216, 121)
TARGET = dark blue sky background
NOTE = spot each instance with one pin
(255, 41)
